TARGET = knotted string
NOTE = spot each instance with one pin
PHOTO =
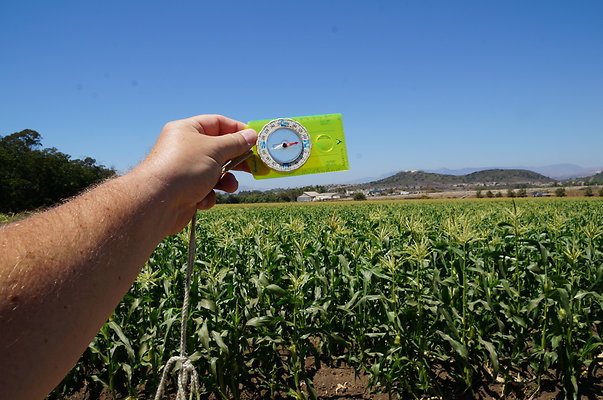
(188, 379)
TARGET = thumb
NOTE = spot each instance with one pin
(232, 145)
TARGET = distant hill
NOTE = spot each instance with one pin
(508, 176)
(555, 171)
(564, 171)
(596, 179)
(487, 178)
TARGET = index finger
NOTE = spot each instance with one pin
(216, 125)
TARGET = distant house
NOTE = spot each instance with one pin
(315, 196)
(327, 196)
(304, 197)
(376, 192)
(307, 196)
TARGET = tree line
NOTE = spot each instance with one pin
(32, 177)
(559, 192)
(271, 196)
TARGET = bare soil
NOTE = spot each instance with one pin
(343, 384)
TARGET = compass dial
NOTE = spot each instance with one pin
(284, 144)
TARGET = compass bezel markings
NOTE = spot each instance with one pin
(271, 128)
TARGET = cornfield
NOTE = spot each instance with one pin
(426, 298)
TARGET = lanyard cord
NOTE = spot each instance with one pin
(188, 379)
(187, 376)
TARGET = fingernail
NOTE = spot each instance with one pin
(250, 136)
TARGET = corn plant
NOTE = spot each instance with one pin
(426, 298)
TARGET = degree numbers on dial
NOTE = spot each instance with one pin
(284, 144)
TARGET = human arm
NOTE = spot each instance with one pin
(64, 271)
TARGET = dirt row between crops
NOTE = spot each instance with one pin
(343, 384)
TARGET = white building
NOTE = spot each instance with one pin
(307, 196)
(327, 196)
(315, 196)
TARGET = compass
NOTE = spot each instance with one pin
(284, 145)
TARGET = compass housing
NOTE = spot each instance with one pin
(284, 145)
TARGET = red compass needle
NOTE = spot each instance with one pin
(284, 145)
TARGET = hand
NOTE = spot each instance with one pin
(187, 162)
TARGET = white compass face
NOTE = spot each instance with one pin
(284, 144)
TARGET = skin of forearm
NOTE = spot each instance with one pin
(77, 261)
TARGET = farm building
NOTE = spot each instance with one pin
(327, 196)
(307, 196)
(315, 196)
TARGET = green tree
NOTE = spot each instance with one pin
(489, 194)
(510, 193)
(498, 194)
(560, 192)
(31, 177)
(588, 192)
(522, 193)
(478, 194)
(359, 196)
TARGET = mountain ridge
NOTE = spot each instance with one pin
(588, 176)
(484, 178)
(555, 171)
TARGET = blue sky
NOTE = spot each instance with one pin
(420, 84)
